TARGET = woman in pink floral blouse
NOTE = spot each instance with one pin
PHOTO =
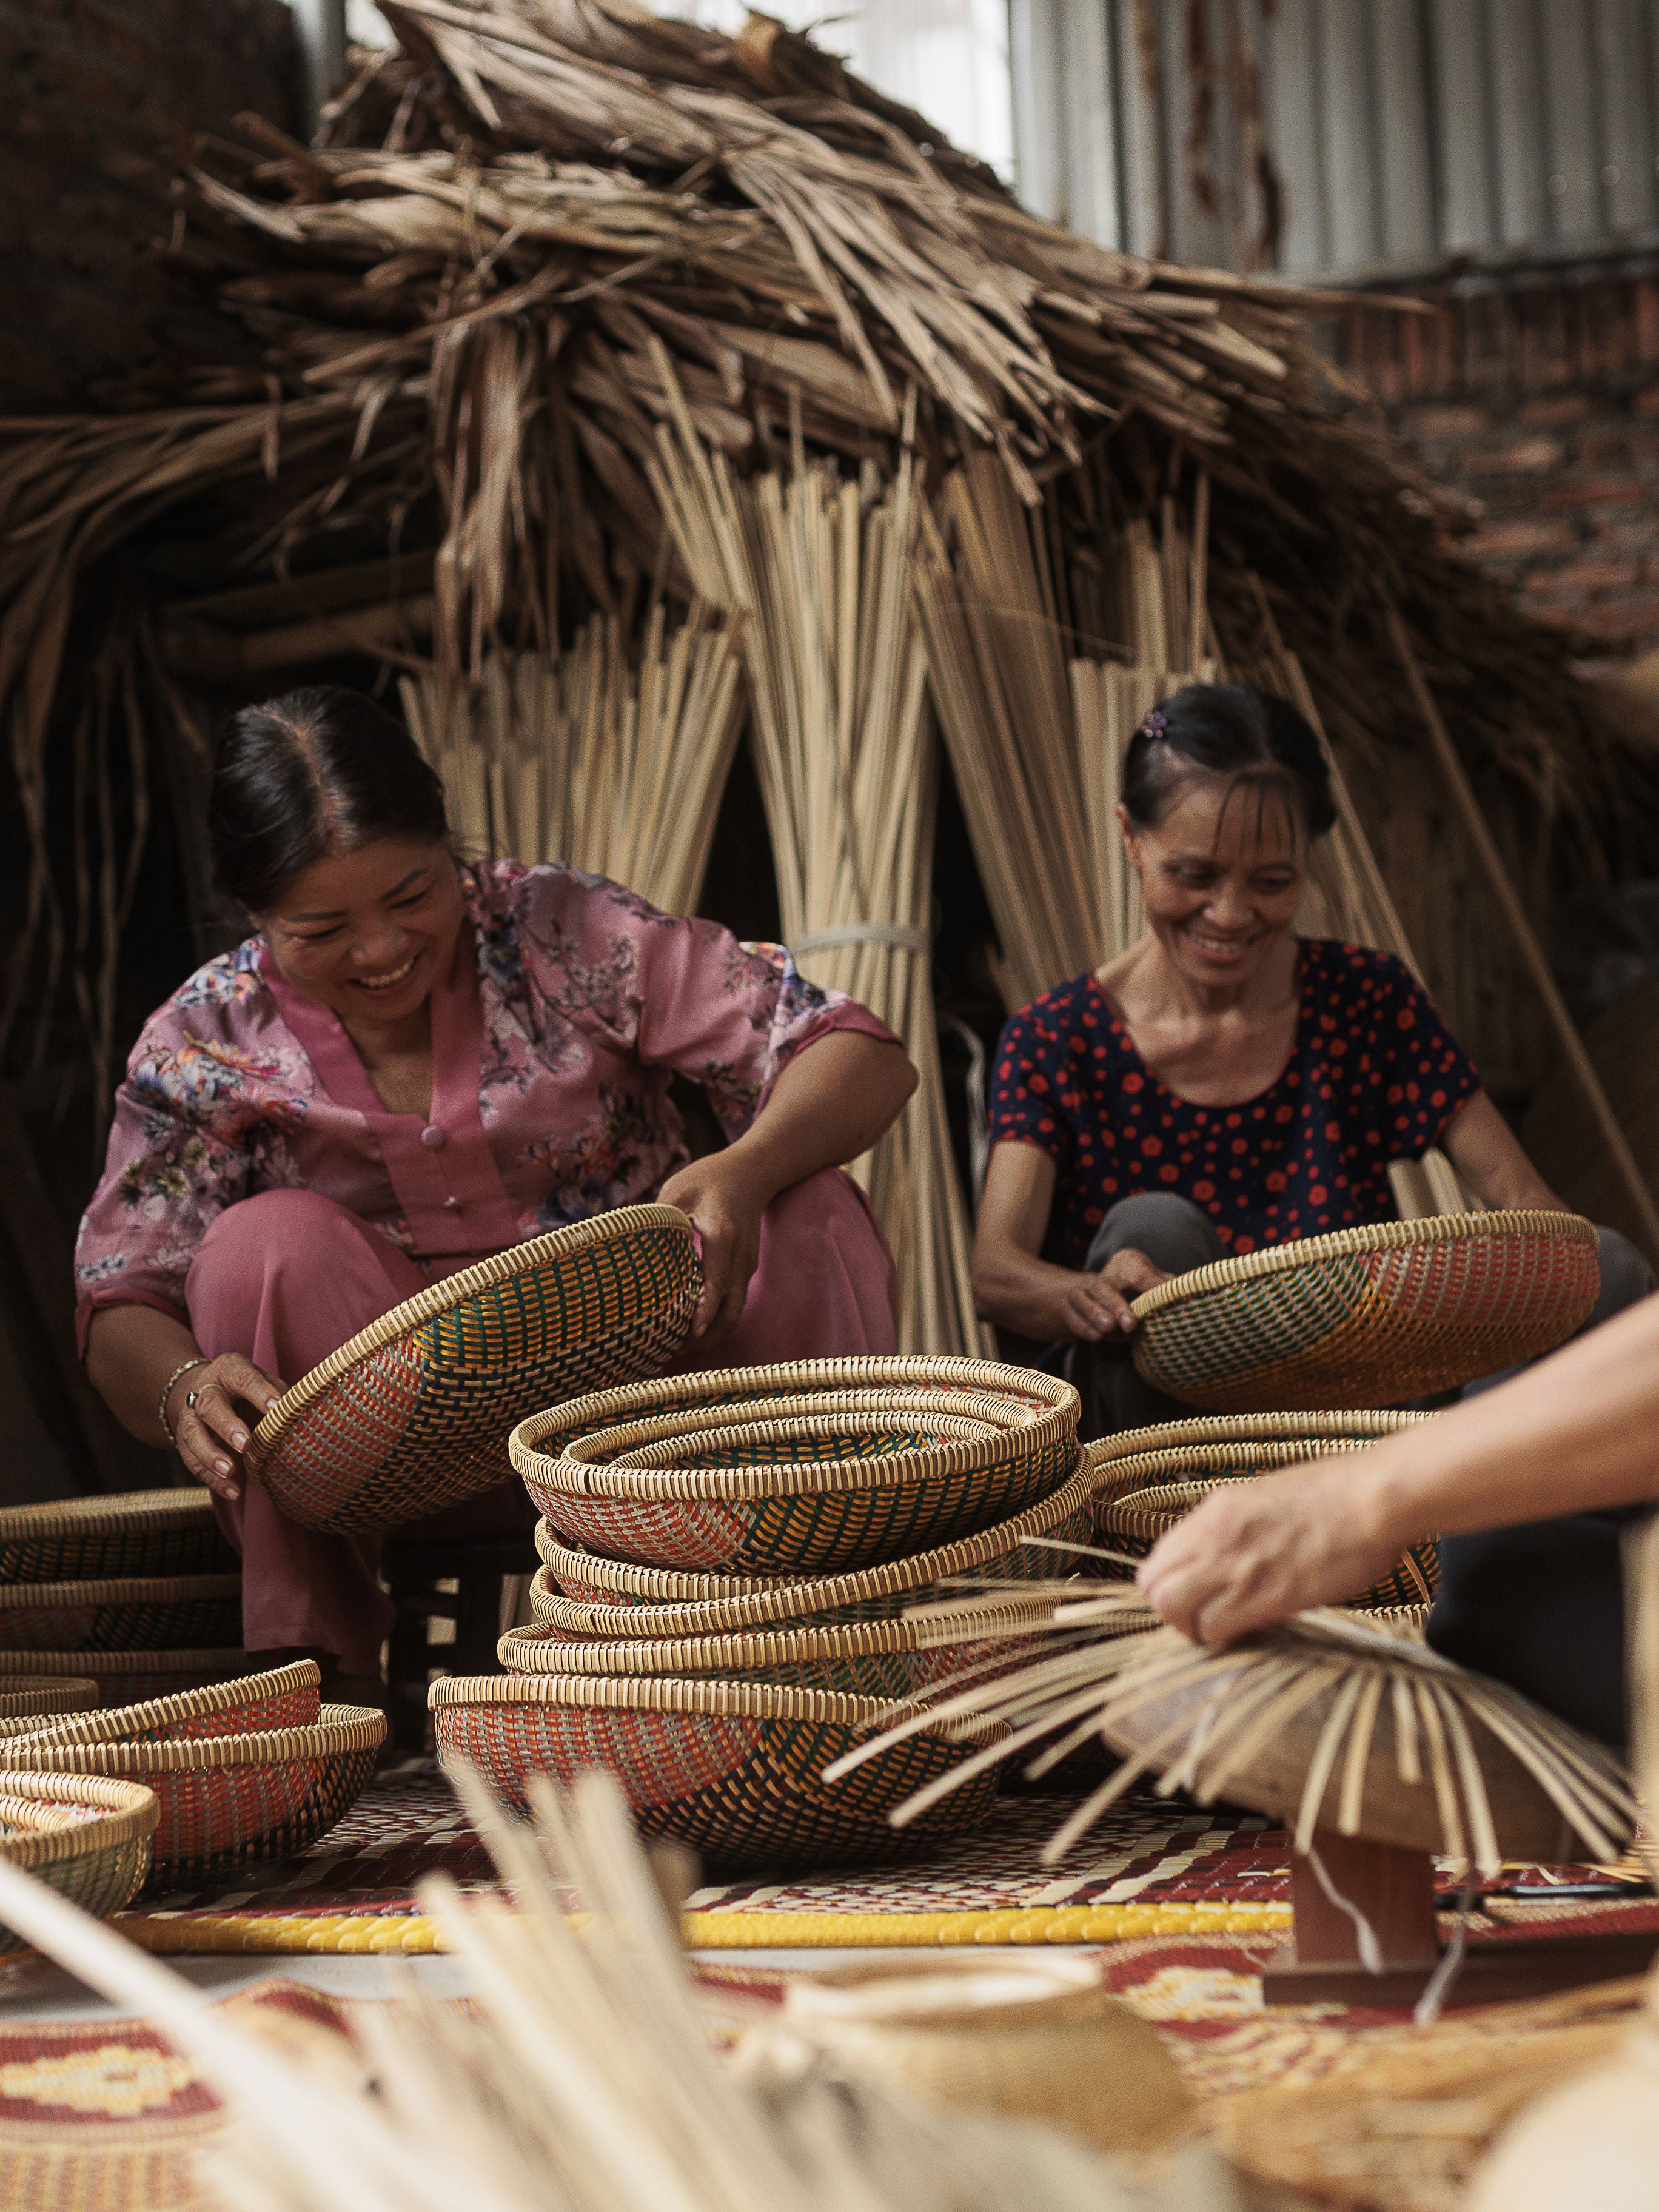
(415, 1063)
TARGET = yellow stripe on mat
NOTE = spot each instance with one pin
(415, 1935)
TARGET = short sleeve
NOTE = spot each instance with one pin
(1426, 1074)
(1025, 1086)
(168, 1172)
(674, 992)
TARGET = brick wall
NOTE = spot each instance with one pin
(1537, 394)
(102, 99)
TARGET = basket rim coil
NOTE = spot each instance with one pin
(443, 1298)
(1375, 1236)
(1362, 1425)
(721, 1699)
(63, 1516)
(158, 1590)
(339, 1729)
(972, 1441)
(735, 1650)
(112, 1665)
(109, 1723)
(727, 1389)
(52, 1697)
(126, 1811)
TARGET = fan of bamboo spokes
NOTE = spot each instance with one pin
(1324, 1722)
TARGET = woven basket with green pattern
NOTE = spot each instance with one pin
(733, 1769)
(85, 1835)
(1134, 1520)
(1369, 1316)
(1220, 1447)
(579, 1593)
(412, 1414)
(226, 1802)
(145, 1533)
(813, 1484)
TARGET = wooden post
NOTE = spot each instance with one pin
(1526, 942)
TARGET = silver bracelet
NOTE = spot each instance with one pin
(183, 1367)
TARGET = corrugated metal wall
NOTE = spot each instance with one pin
(1340, 137)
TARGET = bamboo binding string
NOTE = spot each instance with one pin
(818, 573)
(1526, 942)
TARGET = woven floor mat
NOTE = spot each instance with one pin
(1150, 1868)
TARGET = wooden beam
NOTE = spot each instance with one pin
(204, 652)
(1531, 952)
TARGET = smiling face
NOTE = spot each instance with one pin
(368, 932)
(1223, 874)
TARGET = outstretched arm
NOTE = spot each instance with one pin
(1577, 1431)
(835, 1098)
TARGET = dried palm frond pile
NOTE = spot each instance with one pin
(537, 238)
(579, 2078)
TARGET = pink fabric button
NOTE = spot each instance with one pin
(435, 1138)
(451, 1204)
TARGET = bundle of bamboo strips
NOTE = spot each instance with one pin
(612, 763)
(819, 574)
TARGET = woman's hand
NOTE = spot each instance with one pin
(212, 1434)
(1258, 1551)
(725, 1204)
(1091, 1307)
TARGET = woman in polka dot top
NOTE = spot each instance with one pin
(1224, 1083)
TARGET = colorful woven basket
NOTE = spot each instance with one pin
(278, 1697)
(229, 1800)
(579, 1593)
(24, 1699)
(122, 1678)
(120, 1616)
(732, 1769)
(145, 1533)
(1369, 1317)
(1133, 1522)
(412, 1413)
(1228, 1446)
(808, 1490)
(85, 1836)
(884, 1659)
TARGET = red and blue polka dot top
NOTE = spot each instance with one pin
(1372, 1077)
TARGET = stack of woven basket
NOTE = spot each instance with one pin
(728, 1558)
(141, 1595)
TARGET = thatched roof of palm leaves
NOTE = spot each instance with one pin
(453, 322)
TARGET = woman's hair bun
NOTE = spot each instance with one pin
(1241, 736)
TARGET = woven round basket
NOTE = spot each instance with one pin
(538, 1441)
(1229, 1445)
(123, 1678)
(808, 1490)
(146, 1534)
(120, 1616)
(229, 1800)
(412, 1413)
(35, 1703)
(1039, 2037)
(87, 1837)
(1135, 1521)
(732, 1769)
(278, 1697)
(1369, 1317)
(578, 1594)
(884, 1659)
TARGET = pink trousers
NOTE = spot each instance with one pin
(287, 1276)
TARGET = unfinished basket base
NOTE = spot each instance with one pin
(1395, 1890)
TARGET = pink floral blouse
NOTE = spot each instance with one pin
(568, 1004)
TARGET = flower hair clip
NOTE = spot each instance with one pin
(1155, 726)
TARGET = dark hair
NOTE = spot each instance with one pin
(314, 774)
(1250, 739)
